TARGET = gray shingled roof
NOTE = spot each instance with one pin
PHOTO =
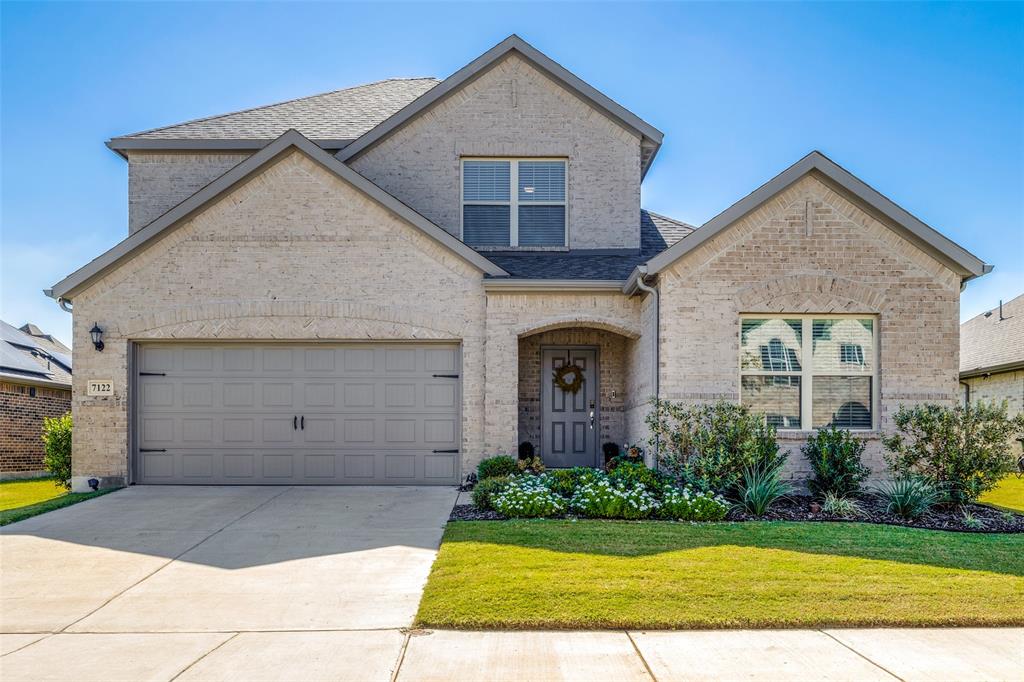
(989, 342)
(24, 358)
(338, 115)
(657, 233)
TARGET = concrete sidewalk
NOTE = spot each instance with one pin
(382, 655)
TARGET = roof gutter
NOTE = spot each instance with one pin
(553, 284)
(992, 369)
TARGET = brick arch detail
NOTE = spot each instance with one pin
(823, 292)
(620, 327)
(290, 319)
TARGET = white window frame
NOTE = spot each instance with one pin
(807, 372)
(513, 202)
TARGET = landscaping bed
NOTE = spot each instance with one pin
(805, 508)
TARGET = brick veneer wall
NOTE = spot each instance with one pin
(847, 262)
(515, 110)
(1008, 386)
(21, 424)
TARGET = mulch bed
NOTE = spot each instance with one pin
(799, 508)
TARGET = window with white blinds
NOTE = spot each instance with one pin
(810, 371)
(514, 202)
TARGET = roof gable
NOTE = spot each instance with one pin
(210, 193)
(924, 237)
(651, 136)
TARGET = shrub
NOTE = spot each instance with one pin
(57, 448)
(632, 473)
(485, 490)
(761, 488)
(493, 467)
(908, 497)
(526, 450)
(964, 451)
(532, 466)
(602, 499)
(684, 504)
(835, 456)
(527, 497)
(564, 482)
(710, 446)
(837, 505)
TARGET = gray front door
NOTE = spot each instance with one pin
(297, 413)
(569, 420)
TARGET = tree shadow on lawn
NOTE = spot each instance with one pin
(994, 553)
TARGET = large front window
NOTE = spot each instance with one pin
(810, 371)
(513, 202)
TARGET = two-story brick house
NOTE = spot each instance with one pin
(379, 285)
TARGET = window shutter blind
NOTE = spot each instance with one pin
(485, 225)
(541, 225)
(541, 181)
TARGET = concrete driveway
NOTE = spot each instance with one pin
(184, 568)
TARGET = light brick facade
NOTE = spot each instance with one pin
(515, 110)
(22, 410)
(998, 387)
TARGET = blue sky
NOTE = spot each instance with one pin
(925, 102)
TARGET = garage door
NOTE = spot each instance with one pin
(285, 414)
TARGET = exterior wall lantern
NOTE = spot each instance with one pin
(97, 336)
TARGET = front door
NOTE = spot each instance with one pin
(569, 420)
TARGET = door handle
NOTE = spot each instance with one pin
(295, 423)
(591, 419)
(302, 423)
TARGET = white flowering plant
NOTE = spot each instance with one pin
(688, 504)
(528, 496)
(605, 499)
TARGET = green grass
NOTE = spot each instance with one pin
(23, 499)
(1009, 495)
(614, 574)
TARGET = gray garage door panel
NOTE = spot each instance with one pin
(297, 414)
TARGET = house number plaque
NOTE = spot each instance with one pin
(100, 387)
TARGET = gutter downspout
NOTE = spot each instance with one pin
(643, 286)
(64, 304)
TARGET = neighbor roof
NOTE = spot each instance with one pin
(928, 239)
(23, 358)
(332, 119)
(990, 343)
(211, 192)
(651, 137)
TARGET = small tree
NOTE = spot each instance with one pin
(57, 448)
(835, 456)
(962, 451)
(710, 446)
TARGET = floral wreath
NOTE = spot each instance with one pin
(562, 374)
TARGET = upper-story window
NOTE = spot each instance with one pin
(514, 202)
(810, 371)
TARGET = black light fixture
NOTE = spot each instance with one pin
(97, 336)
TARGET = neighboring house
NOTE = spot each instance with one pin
(35, 382)
(376, 285)
(992, 358)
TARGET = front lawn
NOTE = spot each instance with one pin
(1008, 495)
(23, 499)
(615, 574)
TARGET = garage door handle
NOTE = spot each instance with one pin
(302, 422)
(446, 376)
(152, 450)
(152, 374)
(295, 423)
(445, 451)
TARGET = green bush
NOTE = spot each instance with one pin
(759, 489)
(637, 473)
(685, 504)
(603, 499)
(837, 505)
(485, 490)
(909, 496)
(493, 467)
(564, 482)
(835, 456)
(57, 448)
(710, 446)
(527, 497)
(964, 451)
